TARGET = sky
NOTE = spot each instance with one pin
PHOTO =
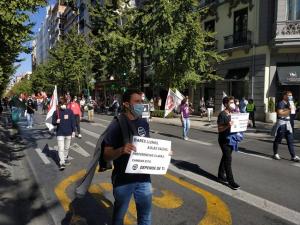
(37, 18)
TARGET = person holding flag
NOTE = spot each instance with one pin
(64, 119)
(52, 107)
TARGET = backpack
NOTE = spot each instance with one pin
(128, 131)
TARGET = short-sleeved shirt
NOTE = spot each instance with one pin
(283, 105)
(185, 111)
(224, 119)
(114, 139)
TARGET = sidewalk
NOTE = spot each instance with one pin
(20, 201)
(203, 124)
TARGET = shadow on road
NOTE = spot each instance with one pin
(93, 209)
(20, 201)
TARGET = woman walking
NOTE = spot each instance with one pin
(75, 107)
(185, 111)
(224, 123)
(64, 119)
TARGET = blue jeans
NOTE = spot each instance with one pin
(283, 132)
(186, 126)
(142, 192)
(29, 119)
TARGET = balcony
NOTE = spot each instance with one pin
(287, 33)
(238, 39)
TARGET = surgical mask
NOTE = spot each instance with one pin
(143, 97)
(290, 98)
(63, 106)
(137, 110)
(232, 106)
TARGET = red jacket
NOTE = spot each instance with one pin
(75, 107)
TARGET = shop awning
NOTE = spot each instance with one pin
(237, 74)
(288, 75)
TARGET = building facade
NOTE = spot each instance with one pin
(260, 40)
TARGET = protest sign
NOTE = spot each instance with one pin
(152, 156)
(240, 122)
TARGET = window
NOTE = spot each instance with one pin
(293, 9)
(209, 26)
(241, 20)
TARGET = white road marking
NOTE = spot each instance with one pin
(55, 148)
(77, 148)
(254, 155)
(91, 133)
(98, 125)
(42, 156)
(107, 121)
(296, 164)
(261, 203)
(200, 142)
(90, 144)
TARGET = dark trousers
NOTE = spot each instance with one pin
(77, 121)
(283, 132)
(292, 120)
(252, 118)
(225, 164)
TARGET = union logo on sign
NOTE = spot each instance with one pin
(293, 74)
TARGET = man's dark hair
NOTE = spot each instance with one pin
(127, 94)
(286, 93)
(227, 99)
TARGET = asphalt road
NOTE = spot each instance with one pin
(189, 194)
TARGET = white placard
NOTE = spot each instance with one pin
(240, 122)
(152, 156)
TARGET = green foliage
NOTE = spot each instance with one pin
(271, 105)
(15, 31)
(161, 113)
(23, 86)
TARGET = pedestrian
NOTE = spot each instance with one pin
(159, 103)
(125, 185)
(237, 104)
(202, 107)
(283, 127)
(250, 108)
(75, 107)
(64, 119)
(152, 107)
(185, 111)
(243, 105)
(225, 174)
(82, 105)
(91, 105)
(293, 110)
(115, 106)
(1, 108)
(30, 108)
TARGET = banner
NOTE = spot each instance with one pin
(173, 101)
(52, 108)
(152, 156)
(240, 122)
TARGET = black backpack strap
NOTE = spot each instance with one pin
(128, 129)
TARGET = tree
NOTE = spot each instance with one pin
(23, 86)
(15, 32)
(173, 39)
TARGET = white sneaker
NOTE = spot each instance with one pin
(186, 138)
(296, 159)
(277, 157)
(79, 136)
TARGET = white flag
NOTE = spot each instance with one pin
(53, 104)
(179, 98)
(223, 107)
(173, 101)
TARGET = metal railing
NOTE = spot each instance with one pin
(238, 39)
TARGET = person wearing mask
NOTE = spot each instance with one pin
(115, 106)
(125, 185)
(30, 109)
(250, 108)
(91, 105)
(284, 128)
(185, 111)
(75, 107)
(64, 119)
(225, 174)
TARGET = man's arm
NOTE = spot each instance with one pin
(111, 154)
(283, 112)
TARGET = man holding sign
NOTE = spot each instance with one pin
(118, 149)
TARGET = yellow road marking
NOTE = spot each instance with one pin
(130, 217)
(60, 189)
(168, 200)
(217, 212)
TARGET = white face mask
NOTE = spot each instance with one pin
(232, 106)
(63, 106)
